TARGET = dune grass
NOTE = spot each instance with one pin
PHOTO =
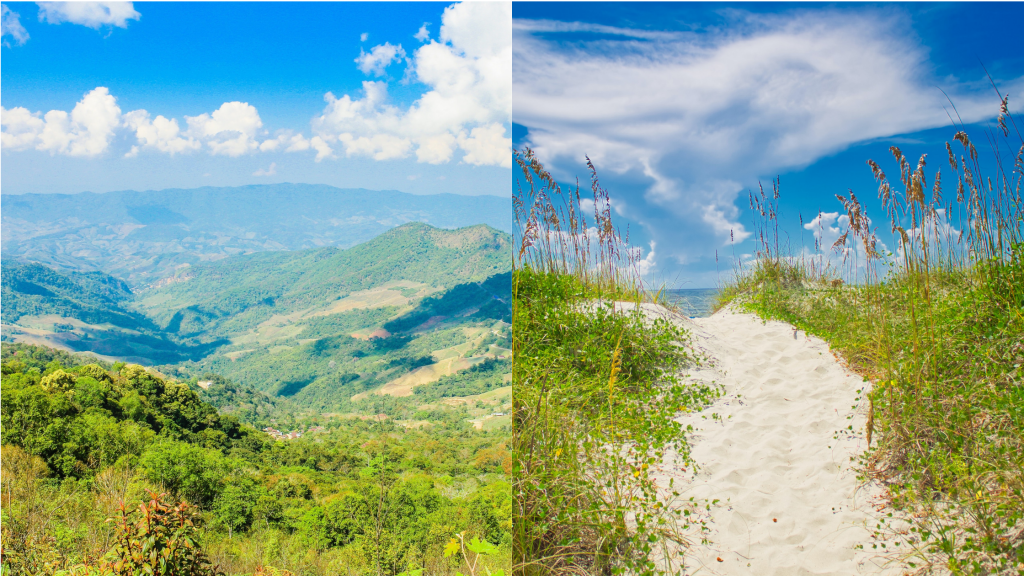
(596, 390)
(938, 330)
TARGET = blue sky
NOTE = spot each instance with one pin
(684, 107)
(408, 96)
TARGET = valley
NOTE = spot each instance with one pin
(329, 329)
(324, 394)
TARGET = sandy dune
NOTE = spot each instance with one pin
(790, 502)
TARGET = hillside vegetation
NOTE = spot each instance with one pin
(234, 295)
(937, 331)
(84, 312)
(86, 442)
(411, 308)
(597, 390)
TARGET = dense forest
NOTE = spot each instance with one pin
(84, 442)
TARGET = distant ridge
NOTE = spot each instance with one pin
(144, 236)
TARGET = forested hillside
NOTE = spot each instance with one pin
(84, 312)
(413, 307)
(144, 236)
(356, 496)
(236, 294)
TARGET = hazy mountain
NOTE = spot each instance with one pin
(144, 236)
(413, 307)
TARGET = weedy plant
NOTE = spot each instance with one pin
(597, 385)
(941, 335)
(159, 538)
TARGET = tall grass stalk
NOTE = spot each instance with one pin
(596, 388)
(941, 337)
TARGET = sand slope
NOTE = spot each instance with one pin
(790, 502)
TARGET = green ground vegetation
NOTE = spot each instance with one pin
(84, 442)
(937, 330)
(101, 303)
(316, 327)
(323, 366)
(237, 294)
(596, 391)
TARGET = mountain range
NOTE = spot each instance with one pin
(326, 327)
(142, 237)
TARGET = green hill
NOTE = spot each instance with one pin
(328, 329)
(84, 312)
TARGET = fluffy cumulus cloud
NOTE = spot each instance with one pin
(465, 108)
(379, 58)
(681, 123)
(158, 133)
(230, 130)
(86, 131)
(423, 34)
(10, 25)
(461, 115)
(92, 14)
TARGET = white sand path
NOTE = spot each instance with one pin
(790, 501)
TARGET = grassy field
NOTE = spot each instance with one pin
(595, 396)
(937, 330)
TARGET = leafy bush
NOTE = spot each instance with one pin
(159, 539)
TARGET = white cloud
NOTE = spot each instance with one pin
(486, 146)
(91, 14)
(86, 131)
(230, 130)
(826, 228)
(21, 128)
(647, 264)
(423, 35)
(268, 172)
(681, 123)
(468, 100)
(159, 133)
(363, 37)
(287, 141)
(379, 58)
(323, 150)
(10, 25)
(849, 257)
(936, 234)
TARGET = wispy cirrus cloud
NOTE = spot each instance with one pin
(11, 28)
(680, 123)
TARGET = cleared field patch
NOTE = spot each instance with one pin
(403, 385)
(238, 354)
(277, 327)
(499, 352)
(47, 323)
(495, 422)
(390, 294)
(48, 338)
(494, 397)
